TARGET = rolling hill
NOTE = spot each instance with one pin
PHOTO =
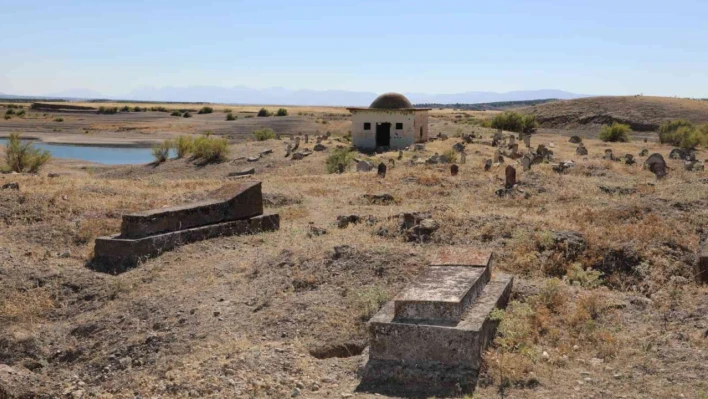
(640, 112)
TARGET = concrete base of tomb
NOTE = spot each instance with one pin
(116, 255)
(430, 357)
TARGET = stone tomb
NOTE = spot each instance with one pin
(430, 338)
(234, 209)
(702, 265)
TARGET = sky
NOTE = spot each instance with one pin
(591, 47)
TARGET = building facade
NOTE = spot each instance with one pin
(391, 122)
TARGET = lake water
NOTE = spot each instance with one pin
(104, 155)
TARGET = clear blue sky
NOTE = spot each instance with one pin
(592, 47)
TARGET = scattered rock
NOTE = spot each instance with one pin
(378, 199)
(254, 158)
(316, 231)
(609, 156)
(422, 231)
(487, 165)
(364, 166)
(244, 172)
(10, 186)
(319, 147)
(618, 190)
(683, 154)
(629, 159)
(454, 170)
(266, 151)
(694, 166)
(459, 147)
(644, 152)
(581, 150)
(575, 139)
(419, 147)
(298, 156)
(563, 166)
(656, 164)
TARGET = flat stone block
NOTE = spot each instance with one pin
(117, 254)
(441, 294)
(459, 345)
(231, 202)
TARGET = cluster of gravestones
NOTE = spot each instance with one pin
(688, 156)
(291, 149)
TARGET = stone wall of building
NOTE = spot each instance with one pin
(366, 139)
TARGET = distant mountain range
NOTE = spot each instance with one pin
(282, 96)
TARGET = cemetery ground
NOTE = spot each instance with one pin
(284, 314)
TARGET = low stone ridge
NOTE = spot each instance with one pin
(116, 254)
(429, 340)
(231, 202)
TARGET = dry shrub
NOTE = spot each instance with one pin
(89, 229)
(369, 300)
(553, 295)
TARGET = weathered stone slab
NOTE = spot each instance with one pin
(117, 254)
(425, 343)
(441, 294)
(231, 202)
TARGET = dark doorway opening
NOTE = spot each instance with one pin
(383, 134)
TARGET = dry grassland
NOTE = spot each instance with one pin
(259, 316)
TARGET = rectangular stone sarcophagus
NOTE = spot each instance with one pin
(430, 338)
(235, 209)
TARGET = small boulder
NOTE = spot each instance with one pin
(244, 172)
(10, 186)
(298, 156)
(575, 139)
(319, 147)
(364, 166)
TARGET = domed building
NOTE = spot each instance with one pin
(391, 122)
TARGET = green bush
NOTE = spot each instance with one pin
(264, 134)
(206, 110)
(21, 113)
(340, 155)
(137, 109)
(228, 110)
(21, 156)
(617, 132)
(210, 149)
(449, 156)
(125, 109)
(107, 110)
(184, 146)
(162, 151)
(264, 112)
(58, 119)
(282, 112)
(8, 117)
(682, 133)
(231, 117)
(176, 113)
(514, 122)
(186, 115)
(10, 111)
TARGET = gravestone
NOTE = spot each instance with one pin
(288, 150)
(307, 138)
(656, 164)
(487, 165)
(527, 140)
(297, 156)
(581, 150)
(400, 155)
(510, 174)
(458, 147)
(629, 159)
(429, 340)
(644, 152)
(382, 170)
(702, 265)
(297, 143)
(463, 157)
(497, 138)
(232, 210)
(392, 162)
(608, 155)
(319, 147)
(575, 139)
(526, 163)
(364, 166)
(340, 168)
(454, 169)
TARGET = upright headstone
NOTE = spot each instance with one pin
(487, 165)
(382, 170)
(527, 140)
(340, 168)
(307, 138)
(454, 169)
(498, 157)
(644, 152)
(463, 157)
(297, 143)
(526, 163)
(497, 138)
(510, 177)
(288, 150)
(400, 155)
(512, 141)
(656, 164)
(608, 155)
